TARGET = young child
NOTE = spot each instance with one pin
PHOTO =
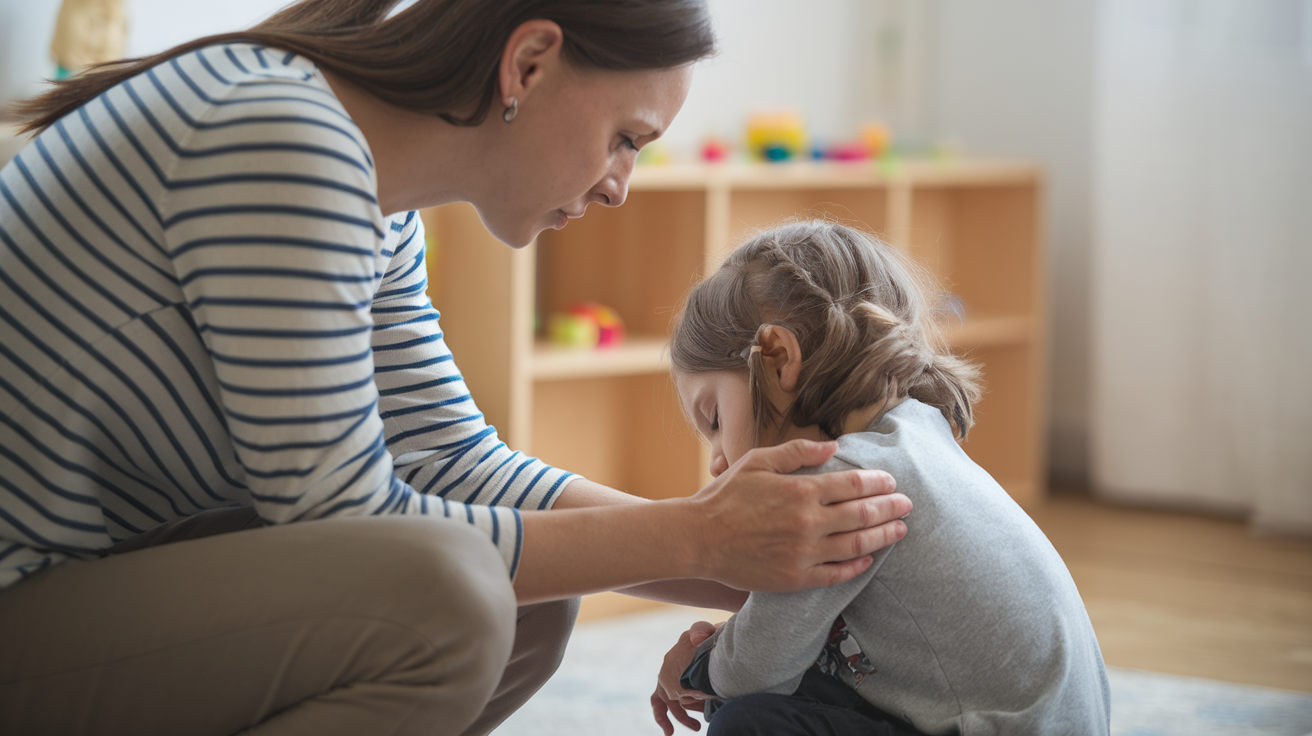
(969, 625)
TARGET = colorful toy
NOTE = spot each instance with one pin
(776, 136)
(873, 142)
(876, 137)
(586, 325)
(848, 152)
(715, 150)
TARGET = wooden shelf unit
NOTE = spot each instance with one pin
(612, 414)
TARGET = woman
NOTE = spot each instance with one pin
(214, 329)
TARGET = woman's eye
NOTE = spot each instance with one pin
(715, 421)
(629, 142)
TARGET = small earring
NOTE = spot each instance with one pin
(511, 111)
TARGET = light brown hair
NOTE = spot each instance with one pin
(866, 320)
(434, 57)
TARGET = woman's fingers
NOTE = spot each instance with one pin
(878, 514)
(794, 455)
(847, 485)
(829, 488)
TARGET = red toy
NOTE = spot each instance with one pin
(587, 325)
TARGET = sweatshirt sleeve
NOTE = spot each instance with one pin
(768, 645)
(277, 240)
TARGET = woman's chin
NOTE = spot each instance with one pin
(517, 235)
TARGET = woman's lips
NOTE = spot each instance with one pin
(565, 217)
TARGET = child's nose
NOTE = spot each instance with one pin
(718, 464)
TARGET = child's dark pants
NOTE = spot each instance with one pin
(822, 706)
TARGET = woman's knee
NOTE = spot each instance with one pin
(432, 564)
(440, 579)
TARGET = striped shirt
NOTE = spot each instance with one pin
(201, 305)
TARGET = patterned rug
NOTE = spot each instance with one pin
(610, 670)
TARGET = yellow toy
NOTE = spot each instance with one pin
(776, 136)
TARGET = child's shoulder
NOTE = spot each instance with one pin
(910, 427)
(904, 433)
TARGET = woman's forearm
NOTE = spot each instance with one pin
(575, 551)
(583, 493)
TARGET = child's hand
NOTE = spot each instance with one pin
(670, 696)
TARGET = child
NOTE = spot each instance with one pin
(969, 625)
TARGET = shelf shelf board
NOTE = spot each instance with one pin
(983, 332)
(829, 175)
(638, 355)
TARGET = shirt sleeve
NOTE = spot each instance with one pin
(768, 645)
(276, 237)
(442, 445)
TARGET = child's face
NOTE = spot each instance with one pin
(720, 405)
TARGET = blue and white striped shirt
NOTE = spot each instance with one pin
(201, 305)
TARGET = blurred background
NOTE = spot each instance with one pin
(1175, 140)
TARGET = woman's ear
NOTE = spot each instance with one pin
(534, 45)
(783, 356)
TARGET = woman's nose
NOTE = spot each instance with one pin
(614, 187)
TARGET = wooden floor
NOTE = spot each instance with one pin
(1167, 592)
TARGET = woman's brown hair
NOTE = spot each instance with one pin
(862, 314)
(434, 57)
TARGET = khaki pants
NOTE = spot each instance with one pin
(216, 625)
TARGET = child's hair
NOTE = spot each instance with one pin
(862, 316)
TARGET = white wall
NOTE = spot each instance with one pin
(1203, 255)
(839, 62)
(26, 28)
(1016, 78)
(160, 24)
(774, 54)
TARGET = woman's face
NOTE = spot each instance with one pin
(573, 142)
(719, 403)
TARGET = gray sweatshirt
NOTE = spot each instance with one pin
(971, 624)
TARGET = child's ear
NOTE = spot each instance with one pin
(782, 354)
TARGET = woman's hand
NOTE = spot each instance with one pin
(770, 531)
(670, 696)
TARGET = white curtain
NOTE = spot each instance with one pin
(1202, 258)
